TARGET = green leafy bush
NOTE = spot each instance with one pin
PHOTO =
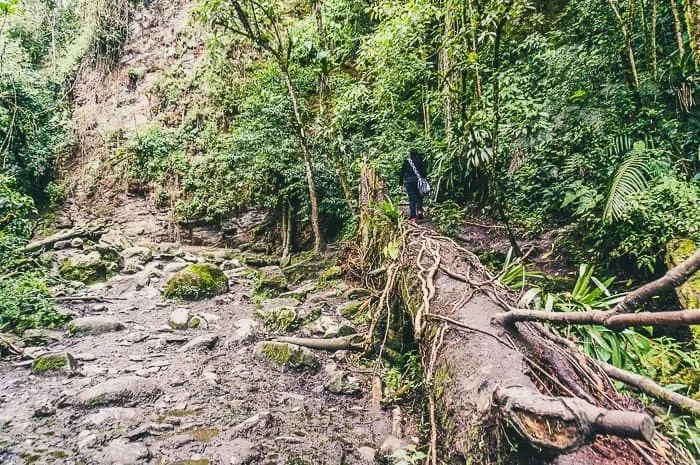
(25, 302)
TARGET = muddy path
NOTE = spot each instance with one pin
(142, 392)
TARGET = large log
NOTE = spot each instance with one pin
(480, 377)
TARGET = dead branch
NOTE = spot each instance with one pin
(603, 318)
(673, 278)
(331, 344)
(566, 423)
(36, 246)
(649, 387)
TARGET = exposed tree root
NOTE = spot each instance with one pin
(352, 342)
(90, 231)
(603, 318)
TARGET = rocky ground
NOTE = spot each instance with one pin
(137, 378)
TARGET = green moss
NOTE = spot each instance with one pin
(194, 322)
(331, 273)
(49, 362)
(278, 319)
(270, 281)
(29, 458)
(97, 400)
(689, 292)
(87, 269)
(350, 309)
(58, 454)
(196, 282)
(283, 354)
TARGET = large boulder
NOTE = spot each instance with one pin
(86, 268)
(282, 354)
(195, 282)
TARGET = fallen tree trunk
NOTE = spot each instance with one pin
(479, 380)
(494, 394)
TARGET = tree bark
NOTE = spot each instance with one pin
(692, 21)
(576, 420)
(63, 236)
(627, 35)
(303, 142)
(678, 28)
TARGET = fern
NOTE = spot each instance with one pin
(631, 177)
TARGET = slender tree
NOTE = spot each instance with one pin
(260, 24)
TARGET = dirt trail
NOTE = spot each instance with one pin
(178, 406)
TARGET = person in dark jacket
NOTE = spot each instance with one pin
(409, 179)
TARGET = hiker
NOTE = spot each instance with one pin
(413, 167)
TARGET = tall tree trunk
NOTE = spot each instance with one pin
(445, 70)
(303, 141)
(627, 35)
(678, 28)
(473, 24)
(654, 61)
(692, 21)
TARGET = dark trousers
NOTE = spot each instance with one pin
(415, 200)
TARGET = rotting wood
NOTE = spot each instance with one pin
(566, 423)
(649, 387)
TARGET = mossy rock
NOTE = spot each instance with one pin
(52, 363)
(196, 282)
(350, 309)
(86, 268)
(282, 354)
(306, 269)
(270, 281)
(331, 273)
(280, 319)
(688, 293)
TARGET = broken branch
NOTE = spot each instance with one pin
(648, 386)
(566, 423)
(331, 344)
(603, 318)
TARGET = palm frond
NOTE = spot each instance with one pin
(631, 177)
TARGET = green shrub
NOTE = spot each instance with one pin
(25, 302)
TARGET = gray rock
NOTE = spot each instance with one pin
(245, 329)
(115, 240)
(240, 451)
(206, 341)
(300, 292)
(393, 444)
(174, 267)
(342, 382)
(93, 325)
(170, 248)
(113, 415)
(179, 318)
(86, 440)
(366, 456)
(77, 242)
(58, 245)
(271, 305)
(257, 419)
(121, 452)
(133, 259)
(125, 390)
